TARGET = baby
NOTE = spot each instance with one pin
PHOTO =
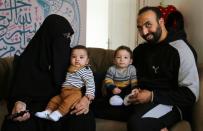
(79, 75)
(121, 77)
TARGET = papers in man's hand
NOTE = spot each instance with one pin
(158, 111)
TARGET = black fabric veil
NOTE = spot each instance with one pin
(41, 68)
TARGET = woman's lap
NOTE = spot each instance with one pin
(79, 123)
(67, 123)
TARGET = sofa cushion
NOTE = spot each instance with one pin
(108, 125)
(102, 109)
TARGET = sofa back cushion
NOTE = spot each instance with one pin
(100, 61)
(5, 75)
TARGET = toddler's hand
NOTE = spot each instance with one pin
(116, 90)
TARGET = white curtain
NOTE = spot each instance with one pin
(140, 4)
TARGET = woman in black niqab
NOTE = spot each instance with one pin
(38, 74)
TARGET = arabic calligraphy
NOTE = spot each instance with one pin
(20, 19)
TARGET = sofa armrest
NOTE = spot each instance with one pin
(197, 124)
(3, 111)
(182, 126)
(109, 125)
(5, 75)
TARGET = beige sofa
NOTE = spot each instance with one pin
(100, 60)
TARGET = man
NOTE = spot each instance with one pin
(167, 76)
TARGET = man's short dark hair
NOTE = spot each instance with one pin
(151, 8)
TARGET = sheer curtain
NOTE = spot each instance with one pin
(140, 4)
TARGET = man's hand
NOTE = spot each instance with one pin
(18, 107)
(140, 96)
(81, 107)
(164, 129)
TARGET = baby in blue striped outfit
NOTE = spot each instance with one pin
(79, 75)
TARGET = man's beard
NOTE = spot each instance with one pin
(155, 36)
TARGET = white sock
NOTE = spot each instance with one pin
(55, 116)
(43, 114)
(116, 100)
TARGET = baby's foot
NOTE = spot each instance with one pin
(55, 116)
(44, 114)
(116, 100)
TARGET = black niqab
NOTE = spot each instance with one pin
(41, 68)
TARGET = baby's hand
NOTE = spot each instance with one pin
(116, 90)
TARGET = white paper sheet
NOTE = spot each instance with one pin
(158, 111)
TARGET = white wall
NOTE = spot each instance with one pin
(193, 13)
(111, 23)
(122, 23)
(97, 23)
